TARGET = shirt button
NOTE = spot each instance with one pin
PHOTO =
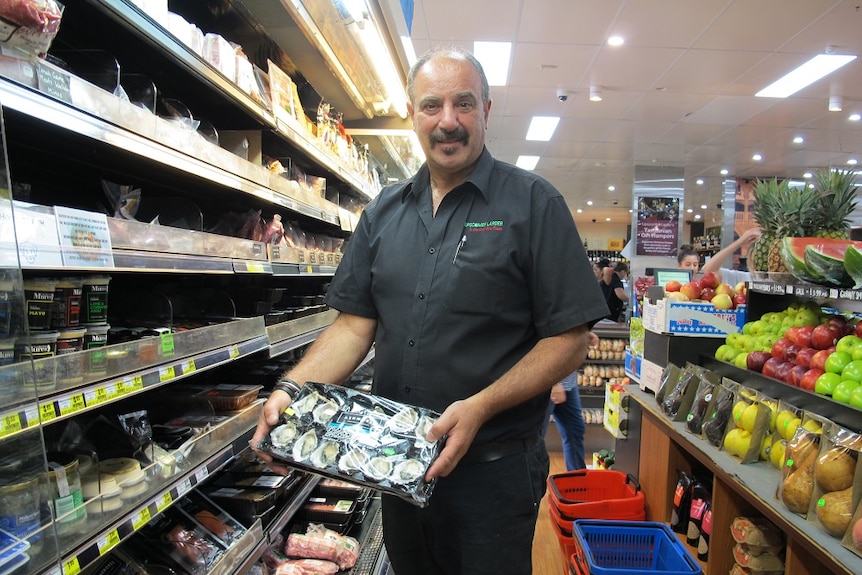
(421, 296)
(431, 250)
(411, 343)
(407, 389)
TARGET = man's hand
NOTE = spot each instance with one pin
(558, 393)
(459, 422)
(272, 410)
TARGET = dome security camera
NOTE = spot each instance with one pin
(562, 95)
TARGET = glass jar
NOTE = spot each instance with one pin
(19, 509)
(61, 488)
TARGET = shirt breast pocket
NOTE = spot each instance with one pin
(482, 277)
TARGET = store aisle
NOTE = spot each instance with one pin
(547, 558)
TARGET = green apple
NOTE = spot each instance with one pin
(837, 361)
(842, 391)
(856, 352)
(852, 370)
(741, 360)
(806, 316)
(826, 383)
(847, 343)
(856, 397)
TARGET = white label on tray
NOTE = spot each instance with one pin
(270, 481)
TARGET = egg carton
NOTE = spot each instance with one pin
(347, 434)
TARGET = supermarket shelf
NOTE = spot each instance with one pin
(289, 335)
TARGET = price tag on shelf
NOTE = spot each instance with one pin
(167, 373)
(71, 404)
(234, 351)
(96, 396)
(167, 340)
(108, 542)
(255, 267)
(164, 501)
(184, 487)
(71, 567)
(131, 384)
(201, 474)
(142, 518)
(47, 411)
(9, 424)
(31, 415)
(188, 367)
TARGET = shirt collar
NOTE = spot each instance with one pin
(480, 177)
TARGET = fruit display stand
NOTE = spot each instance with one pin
(737, 489)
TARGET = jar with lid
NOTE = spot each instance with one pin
(19, 509)
(61, 488)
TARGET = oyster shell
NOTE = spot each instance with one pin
(283, 435)
(422, 428)
(325, 454)
(305, 445)
(377, 468)
(305, 404)
(404, 421)
(407, 471)
(324, 412)
(353, 460)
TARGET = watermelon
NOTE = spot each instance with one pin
(853, 264)
(818, 260)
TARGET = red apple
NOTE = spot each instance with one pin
(796, 374)
(783, 371)
(791, 351)
(709, 280)
(809, 378)
(672, 285)
(857, 329)
(818, 360)
(691, 290)
(804, 356)
(841, 323)
(756, 360)
(739, 299)
(779, 348)
(803, 336)
(825, 335)
(770, 366)
(707, 293)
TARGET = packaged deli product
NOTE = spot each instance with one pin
(347, 434)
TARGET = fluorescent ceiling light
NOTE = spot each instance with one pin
(808, 73)
(616, 41)
(494, 57)
(724, 171)
(409, 50)
(527, 162)
(542, 128)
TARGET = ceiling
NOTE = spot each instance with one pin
(679, 93)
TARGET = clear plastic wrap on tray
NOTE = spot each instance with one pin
(346, 434)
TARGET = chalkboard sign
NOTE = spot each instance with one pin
(54, 83)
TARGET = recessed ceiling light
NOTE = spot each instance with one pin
(616, 41)
(494, 57)
(595, 93)
(835, 104)
(611, 188)
(756, 157)
(697, 216)
(527, 162)
(798, 140)
(724, 171)
(808, 73)
(542, 128)
(807, 175)
(854, 117)
(703, 206)
(699, 181)
(689, 210)
(852, 161)
(589, 202)
(607, 219)
(631, 211)
(580, 211)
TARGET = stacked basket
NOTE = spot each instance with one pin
(591, 494)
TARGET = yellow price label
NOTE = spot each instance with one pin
(309, 269)
(131, 384)
(254, 267)
(141, 519)
(188, 366)
(167, 340)
(108, 542)
(111, 390)
(47, 411)
(71, 567)
(167, 373)
(72, 404)
(164, 501)
(96, 396)
(234, 351)
(9, 424)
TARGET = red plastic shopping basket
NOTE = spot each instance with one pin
(596, 494)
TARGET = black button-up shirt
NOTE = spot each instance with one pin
(460, 297)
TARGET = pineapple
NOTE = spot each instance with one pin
(764, 209)
(836, 201)
(796, 216)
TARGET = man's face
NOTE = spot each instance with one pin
(448, 114)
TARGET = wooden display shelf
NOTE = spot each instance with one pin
(737, 490)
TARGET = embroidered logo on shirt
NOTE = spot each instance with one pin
(491, 226)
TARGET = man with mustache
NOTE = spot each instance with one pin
(471, 280)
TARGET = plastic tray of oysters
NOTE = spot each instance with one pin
(347, 434)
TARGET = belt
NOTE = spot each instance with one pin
(494, 450)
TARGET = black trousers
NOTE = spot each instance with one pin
(480, 519)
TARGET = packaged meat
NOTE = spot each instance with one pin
(212, 517)
(311, 547)
(347, 434)
(173, 535)
(347, 548)
(308, 566)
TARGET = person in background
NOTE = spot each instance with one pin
(616, 292)
(688, 259)
(461, 277)
(728, 275)
(565, 407)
